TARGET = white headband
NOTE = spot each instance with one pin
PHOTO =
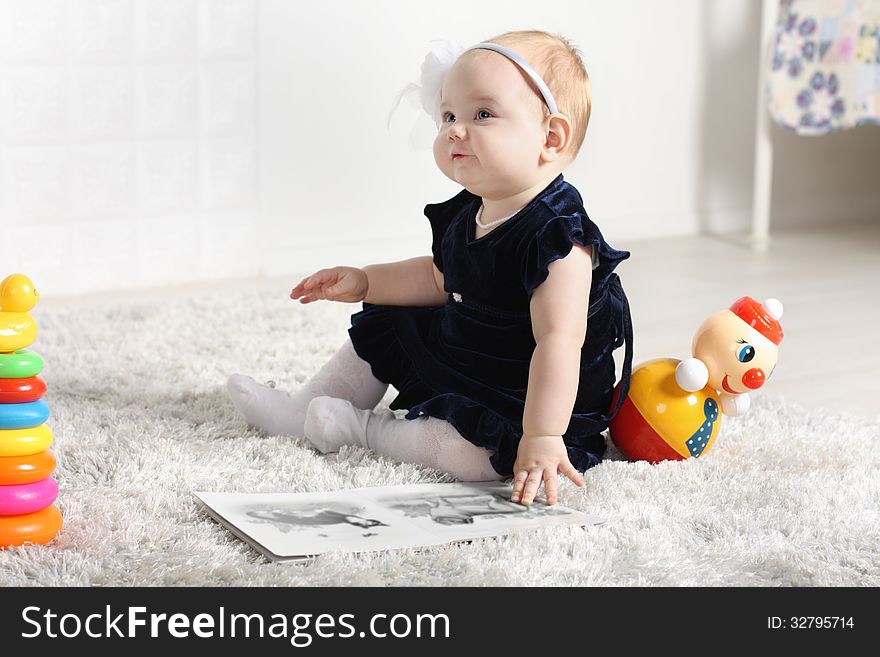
(440, 60)
(526, 68)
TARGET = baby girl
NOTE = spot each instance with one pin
(500, 343)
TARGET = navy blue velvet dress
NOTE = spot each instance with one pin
(467, 362)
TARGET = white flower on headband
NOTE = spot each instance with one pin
(440, 60)
(437, 64)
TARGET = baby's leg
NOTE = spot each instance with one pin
(331, 423)
(276, 412)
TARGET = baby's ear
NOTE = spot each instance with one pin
(558, 137)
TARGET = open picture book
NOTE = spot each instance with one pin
(296, 526)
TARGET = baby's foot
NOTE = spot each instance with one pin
(264, 407)
(331, 423)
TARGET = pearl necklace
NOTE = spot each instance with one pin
(491, 223)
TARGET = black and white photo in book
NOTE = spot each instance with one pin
(285, 526)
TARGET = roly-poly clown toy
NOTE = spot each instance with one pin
(673, 409)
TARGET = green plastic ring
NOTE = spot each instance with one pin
(20, 364)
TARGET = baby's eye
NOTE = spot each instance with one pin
(482, 112)
(447, 115)
(746, 353)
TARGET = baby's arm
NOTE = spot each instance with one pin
(559, 323)
(413, 282)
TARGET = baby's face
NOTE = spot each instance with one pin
(491, 127)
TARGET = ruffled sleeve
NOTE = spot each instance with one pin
(441, 215)
(554, 241)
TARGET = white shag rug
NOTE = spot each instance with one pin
(787, 496)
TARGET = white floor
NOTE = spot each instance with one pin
(827, 279)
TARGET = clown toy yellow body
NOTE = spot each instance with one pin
(673, 409)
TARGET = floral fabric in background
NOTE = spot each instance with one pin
(825, 74)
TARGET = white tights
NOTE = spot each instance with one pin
(344, 392)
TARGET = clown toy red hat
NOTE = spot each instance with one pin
(763, 317)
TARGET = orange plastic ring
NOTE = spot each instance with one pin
(39, 527)
(26, 469)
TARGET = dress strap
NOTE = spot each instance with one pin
(626, 374)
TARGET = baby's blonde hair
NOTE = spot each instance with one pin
(559, 63)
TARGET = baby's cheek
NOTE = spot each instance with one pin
(443, 161)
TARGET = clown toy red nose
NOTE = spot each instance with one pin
(754, 378)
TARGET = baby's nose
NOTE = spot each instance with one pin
(455, 131)
(754, 378)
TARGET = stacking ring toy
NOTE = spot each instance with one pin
(19, 442)
(39, 527)
(23, 416)
(26, 469)
(21, 391)
(20, 364)
(27, 498)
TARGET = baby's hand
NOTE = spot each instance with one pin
(347, 284)
(540, 458)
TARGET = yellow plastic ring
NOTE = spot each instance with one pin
(19, 442)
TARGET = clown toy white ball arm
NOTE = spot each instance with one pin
(691, 374)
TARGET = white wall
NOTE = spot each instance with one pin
(331, 159)
(148, 142)
(128, 149)
(669, 150)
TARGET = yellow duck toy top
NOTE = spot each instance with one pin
(17, 328)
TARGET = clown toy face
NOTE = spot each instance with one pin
(740, 345)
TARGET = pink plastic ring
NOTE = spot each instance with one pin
(27, 498)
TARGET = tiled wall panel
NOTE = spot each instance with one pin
(128, 151)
